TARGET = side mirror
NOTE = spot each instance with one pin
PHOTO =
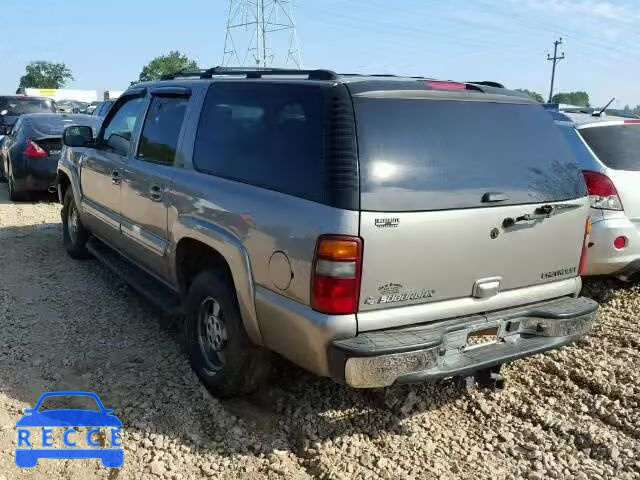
(28, 411)
(78, 136)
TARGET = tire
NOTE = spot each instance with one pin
(16, 195)
(74, 234)
(238, 366)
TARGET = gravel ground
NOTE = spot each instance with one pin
(573, 413)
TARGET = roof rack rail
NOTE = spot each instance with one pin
(253, 73)
(489, 83)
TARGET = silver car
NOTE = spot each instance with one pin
(608, 151)
(372, 229)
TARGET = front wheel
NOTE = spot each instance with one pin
(221, 353)
(74, 234)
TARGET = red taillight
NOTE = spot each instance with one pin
(632, 121)
(34, 150)
(335, 283)
(602, 191)
(446, 85)
(583, 257)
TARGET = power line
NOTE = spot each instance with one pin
(555, 59)
(252, 26)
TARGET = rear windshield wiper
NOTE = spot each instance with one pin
(545, 211)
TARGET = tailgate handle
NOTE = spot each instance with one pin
(486, 287)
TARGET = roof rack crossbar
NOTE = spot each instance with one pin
(252, 73)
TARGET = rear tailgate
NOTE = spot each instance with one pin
(441, 180)
(617, 145)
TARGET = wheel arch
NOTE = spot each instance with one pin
(200, 244)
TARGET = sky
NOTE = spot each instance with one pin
(106, 43)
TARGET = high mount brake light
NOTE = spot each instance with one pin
(446, 85)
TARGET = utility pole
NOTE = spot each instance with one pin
(259, 33)
(555, 59)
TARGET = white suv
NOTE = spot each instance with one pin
(608, 150)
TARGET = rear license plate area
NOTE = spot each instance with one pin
(480, 338)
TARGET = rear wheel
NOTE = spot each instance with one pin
(74, 234)
(221, 353)
(16, 195)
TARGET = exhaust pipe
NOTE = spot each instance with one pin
(52, 189)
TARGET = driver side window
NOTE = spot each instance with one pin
(118, 133)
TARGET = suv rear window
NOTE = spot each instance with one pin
(617, 146)
(418, 154)
(269, 135)
(20, 105)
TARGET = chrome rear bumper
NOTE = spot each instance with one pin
(444, 349)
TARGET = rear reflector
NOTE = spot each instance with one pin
(583, 257)
(34, 150)
(335, 282)
(446, 85)
(620, 242)
(602, 192)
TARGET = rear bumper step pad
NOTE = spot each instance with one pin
(443, 349)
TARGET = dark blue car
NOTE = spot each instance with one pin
(28, 457)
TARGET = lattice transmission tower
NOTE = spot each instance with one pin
(260, 33)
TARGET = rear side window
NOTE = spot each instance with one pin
(268, 135)
(418, 154)
(617, 146)
(15, 106)
(159, 139)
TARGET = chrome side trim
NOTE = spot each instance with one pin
(145, 238)
(106, 216)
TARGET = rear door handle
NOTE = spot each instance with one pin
(115, 177)
(155, 192)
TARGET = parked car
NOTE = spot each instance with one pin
(31, 150)
(103, 108)
(12, 106)
(375, 230)
(92, 107)
(68, 106)
(607, 149)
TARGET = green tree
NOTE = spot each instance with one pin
(534, 95)
(45, 75)
(580, 98)
(166, 65)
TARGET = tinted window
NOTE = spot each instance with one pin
(268, 135)
(161, 130)
(584, 157)
(617, 146)
(435, 155)
(119, 131)
(20, 105)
